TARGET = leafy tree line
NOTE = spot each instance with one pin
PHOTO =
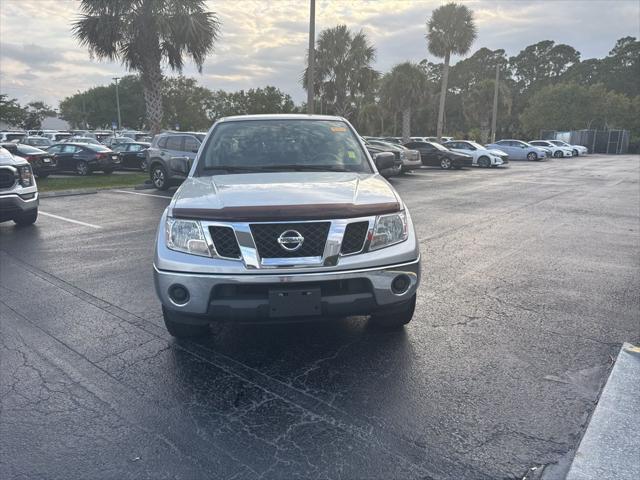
(186, 105)
(538, 89)
(29, 117)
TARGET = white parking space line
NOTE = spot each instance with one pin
(143, 194)
(70, 220)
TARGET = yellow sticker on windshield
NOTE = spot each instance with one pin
(351, 154)
(338, 129)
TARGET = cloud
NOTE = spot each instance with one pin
(265, 42)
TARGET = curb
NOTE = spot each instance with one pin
(610, 447)
(67, 193)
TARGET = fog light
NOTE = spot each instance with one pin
(400, 284)
(179, 294)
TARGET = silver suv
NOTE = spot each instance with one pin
(170, 157)
(285, 218)
(18, 190)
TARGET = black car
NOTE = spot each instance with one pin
(133, 155)
(84, 158)
(433, 154)
(42, 163)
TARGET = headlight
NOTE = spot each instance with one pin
(389, 230)
(186, 236)
(26, 175)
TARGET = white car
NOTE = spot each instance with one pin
(576, 149)
(556, 151)
(482, 157)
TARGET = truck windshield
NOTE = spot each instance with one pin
(283, 145)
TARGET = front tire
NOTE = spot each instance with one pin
(184, 326)
(158, 175)
(576, 153)
(27, 218)
(396, 317)
(445, 163)
(532, 156)
(484, 162)
(558, 154)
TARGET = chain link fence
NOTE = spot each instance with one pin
(611, 141)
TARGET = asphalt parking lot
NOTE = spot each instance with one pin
(531, 280)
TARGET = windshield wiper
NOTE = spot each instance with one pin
(234, 168)
(314, 168)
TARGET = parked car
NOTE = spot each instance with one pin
(556, 151)
(481, 157)
(395, 140)
(113, 141)
(576, 149)
(410, 159)
(84, 158)
(519, 150)
(35, 141)
(433, 154)
(75, 139)
(12, 136)
(133, 134)
(102, 135)
(171, 155)
(18, 190)
(284, 218)
(133, 155)
(386, 167)
(42, 162)
(446, 139)
(56, 136)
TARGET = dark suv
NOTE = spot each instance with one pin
(170, 157)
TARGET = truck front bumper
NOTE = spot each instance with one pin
(13, 205)
(246, 296)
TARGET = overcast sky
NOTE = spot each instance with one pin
(264, 42)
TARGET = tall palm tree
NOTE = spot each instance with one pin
(343, 68)
(450, 30)
(144, 33)
(404, 88)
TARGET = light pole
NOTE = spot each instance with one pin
(494, 116)
(118, 102)
(312, 61)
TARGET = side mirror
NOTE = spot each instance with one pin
(180, 165)
(384, 160)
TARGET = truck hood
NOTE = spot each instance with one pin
(284, 196)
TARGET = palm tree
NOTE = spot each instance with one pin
(450, 30)
(144, 33)
(403, 89)
(343, 68)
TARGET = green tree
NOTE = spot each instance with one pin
(259, 100)
(35, 113)
(404, 88)
(477, 105)
(450, 30)
(539, 64)
(186, 104)
(96, 107)
(10, 111)
(143, 34)
(344, 69)
(568, 106)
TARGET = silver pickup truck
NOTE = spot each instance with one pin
(18, 190)
(285, 218)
